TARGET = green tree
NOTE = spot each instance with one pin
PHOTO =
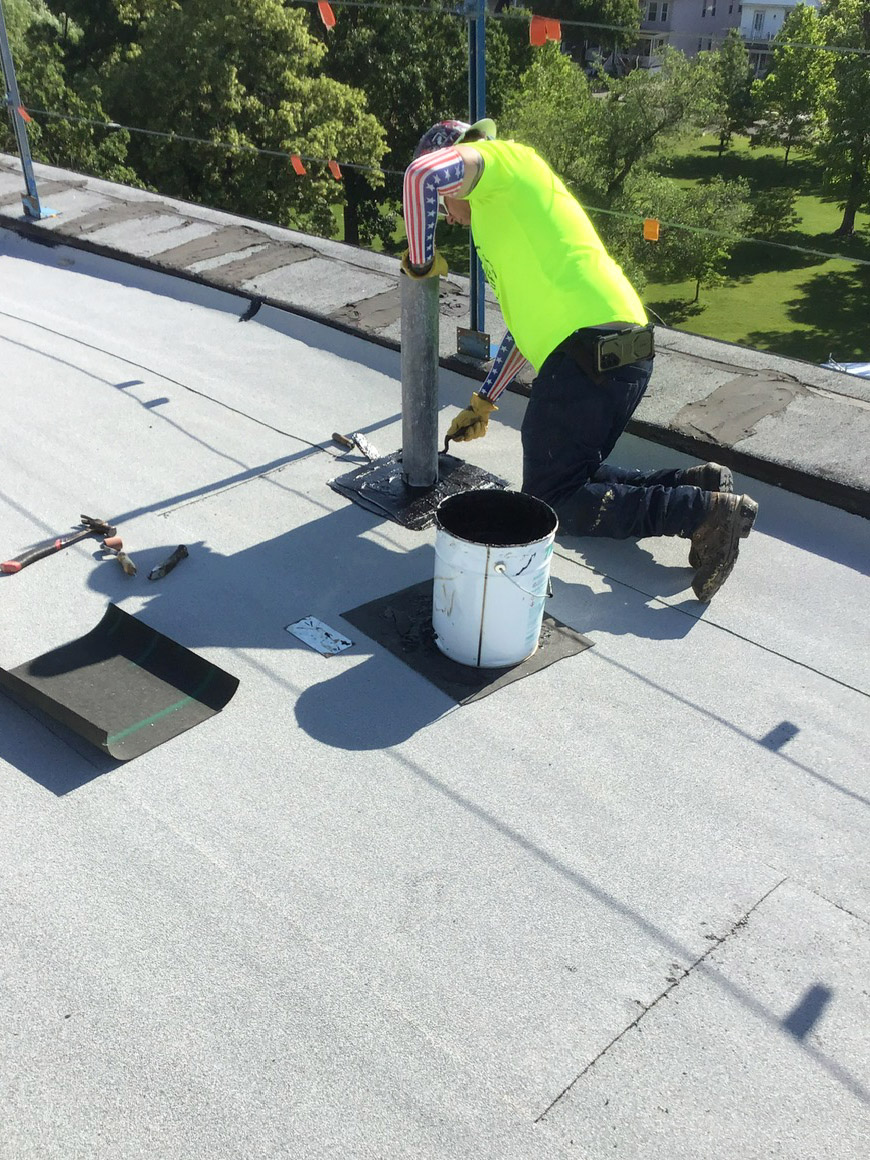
(246, 73)
(788, 100)
(22, 16)
(95, 32)
(732, 92)
(596, 142)
(552, 110)
(773, 212)
(71, 138)
(641, 113)
(843, 147)
(700, 226)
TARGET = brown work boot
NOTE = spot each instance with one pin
(709, 477)
(716, 542)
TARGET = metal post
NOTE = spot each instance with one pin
(476, 110)
(420, 381)
(30, 199)
(474, 342)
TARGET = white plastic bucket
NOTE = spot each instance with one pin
(492, 565)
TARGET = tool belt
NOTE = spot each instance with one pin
(600, 349)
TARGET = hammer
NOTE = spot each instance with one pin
(93, 527)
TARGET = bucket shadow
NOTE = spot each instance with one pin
(375, 705)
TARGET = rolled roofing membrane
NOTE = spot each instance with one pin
(123, 686)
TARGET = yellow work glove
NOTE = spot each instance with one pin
(438, 267)
(471, 423)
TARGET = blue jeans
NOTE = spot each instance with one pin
(571, 425)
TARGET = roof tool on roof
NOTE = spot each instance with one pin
(93, 527)
(358, 440)
(161, 570)
(126, 563)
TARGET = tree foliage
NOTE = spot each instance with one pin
(96, 32)
(73, 140)
(843, 146)
(788, 101)
(773, 212)
(596, 141)
(700, 227)
(245, 73)
(732, 87)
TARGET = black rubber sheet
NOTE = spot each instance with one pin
(402, 624)
(123, 686)
(380, 487)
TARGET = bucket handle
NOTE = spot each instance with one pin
(502, 571)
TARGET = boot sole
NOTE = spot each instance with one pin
(747, 512)
(706, 586)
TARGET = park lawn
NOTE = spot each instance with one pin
(807, 314)
(776, 298)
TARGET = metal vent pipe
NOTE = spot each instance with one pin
(420, 380)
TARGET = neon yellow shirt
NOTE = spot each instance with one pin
(541, 254)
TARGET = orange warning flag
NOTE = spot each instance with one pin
(296, 162)
(326, 14)
(651, 229)
(554, 29)
(538, 31)
(24, 115)
(335, 170)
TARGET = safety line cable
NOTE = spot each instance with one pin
(399, 174)
(188, 140)
(740, 238)
(469, 12)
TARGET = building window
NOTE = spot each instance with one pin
(704, 9)
(758, 22)
(664, 14)
(700, 44)
(652, 11)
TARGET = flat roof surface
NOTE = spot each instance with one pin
(780, 420)
(618, 908)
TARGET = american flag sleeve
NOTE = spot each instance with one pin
(432, 174)
(507, 365)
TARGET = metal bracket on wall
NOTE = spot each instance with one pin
(473, 343)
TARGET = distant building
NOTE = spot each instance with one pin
(695, 26)
(692, 26)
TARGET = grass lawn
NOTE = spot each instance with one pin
(776, 299)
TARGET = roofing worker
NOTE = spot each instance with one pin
(573, 315)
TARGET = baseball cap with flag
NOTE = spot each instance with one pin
(452, 133)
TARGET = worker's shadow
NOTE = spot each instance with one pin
(638, 591)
